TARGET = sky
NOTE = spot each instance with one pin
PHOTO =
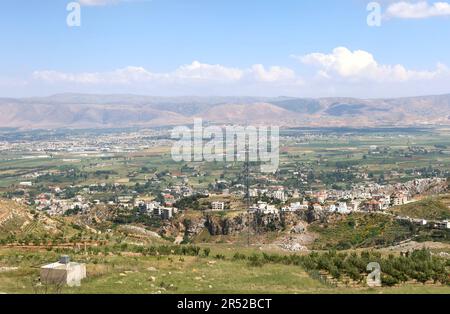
(301, 48)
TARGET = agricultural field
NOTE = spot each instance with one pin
(377, 154)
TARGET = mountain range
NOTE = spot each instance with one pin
(106, 111)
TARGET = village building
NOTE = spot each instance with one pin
(168, 212)
(264, 208)
(399, 199)
(294, 207)
(279, 195)
(443, 225)
(317, 207)
(372, 206)
(217, 206)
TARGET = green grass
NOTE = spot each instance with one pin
(175, 274)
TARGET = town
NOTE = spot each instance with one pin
(86, 159)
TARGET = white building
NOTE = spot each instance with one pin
(264, 208)
(217, 206)
(293, 207)
(153, 208)
(399, 199)
(442, 225)
(354, 205)
(342, 208)
(317, 207)
(279, 195)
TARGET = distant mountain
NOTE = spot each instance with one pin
(104, 111)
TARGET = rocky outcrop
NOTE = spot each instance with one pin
(223, 225)
(257, 223)
(312, 215)
(217, 225)
(184, 227)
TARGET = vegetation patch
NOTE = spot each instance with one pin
(359, 231)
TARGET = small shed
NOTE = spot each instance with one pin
(63, 272)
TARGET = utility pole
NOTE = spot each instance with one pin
(247, 184)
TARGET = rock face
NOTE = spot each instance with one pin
(299, 228)
(227, 226)
(193, 227)
(312, 215)
(218, 225)
(257, 223)
(184, 228)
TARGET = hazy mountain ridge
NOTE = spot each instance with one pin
(102, 111)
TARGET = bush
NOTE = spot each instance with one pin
(239, 256)
(389, 281)
(220, 257)
(255, 261)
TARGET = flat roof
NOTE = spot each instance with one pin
(59, 265)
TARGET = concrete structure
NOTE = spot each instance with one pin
(167, 213)
(218, 206)
(294, 207)
(317, 207)
(63, 272)
(442, 225)
(399, 199)
(354, 205)
(342, 208)
(372, 206)
(280, 195)
(263, 208)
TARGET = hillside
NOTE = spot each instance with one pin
(359, 231)
(18, 222)
(436, 208)
(86, 111)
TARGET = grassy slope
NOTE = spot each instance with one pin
(23, 223)
(430, 208)
(120, 274)
(359, 230)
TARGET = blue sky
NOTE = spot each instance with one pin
(224, 47)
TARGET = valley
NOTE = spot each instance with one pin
(143, 223)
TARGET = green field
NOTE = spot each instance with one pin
(178, 274)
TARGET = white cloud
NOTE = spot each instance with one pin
(195, 78)
(356, 65)
(417, 10)
(341, 72)
(273, 74)
(196, 72)
(202, 71)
